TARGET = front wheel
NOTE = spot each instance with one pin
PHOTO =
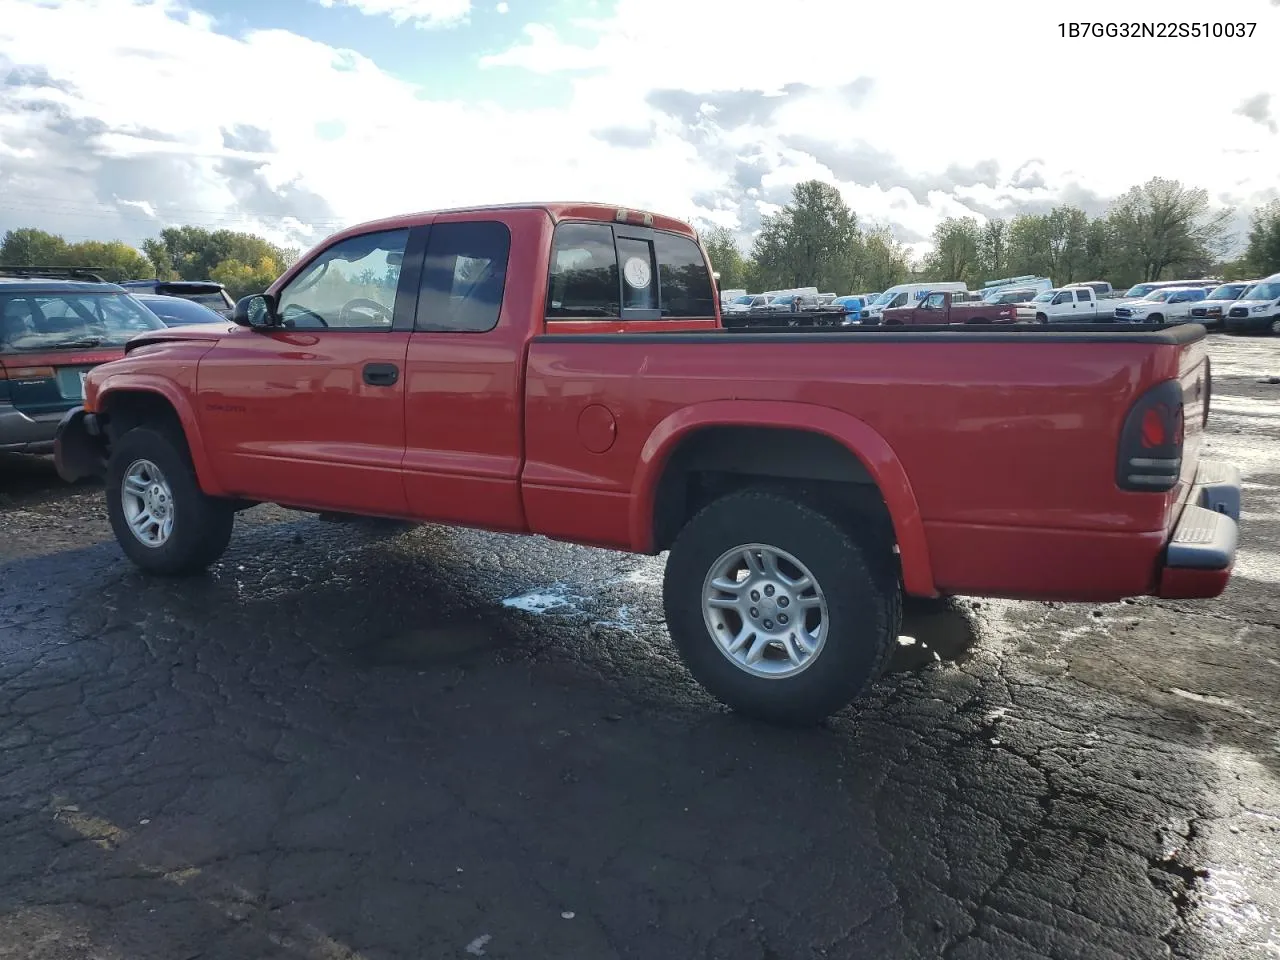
(1275, 327)
(1042, 318)
(777, 610)
(161, 518)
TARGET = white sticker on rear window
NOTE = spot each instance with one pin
(637, 272)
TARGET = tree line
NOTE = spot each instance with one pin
(1160, 230)
(1156, 231)
(241, 262)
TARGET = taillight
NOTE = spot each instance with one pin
(1150, 456)
(27, 373)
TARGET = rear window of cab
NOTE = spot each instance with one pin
(600, 271)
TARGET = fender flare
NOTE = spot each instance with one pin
(115, 383)
(853, 434)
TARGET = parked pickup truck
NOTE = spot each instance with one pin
(939, 307)
(1073, 304)
(561, 369)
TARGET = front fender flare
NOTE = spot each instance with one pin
(128, 382)
(853, 434)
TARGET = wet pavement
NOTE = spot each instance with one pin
(455, 744)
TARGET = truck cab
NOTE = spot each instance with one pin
(1073, 304)
(945, 307)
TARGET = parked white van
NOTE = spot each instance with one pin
(905, 294)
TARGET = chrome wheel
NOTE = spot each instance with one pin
(765, 611)
(148, 503)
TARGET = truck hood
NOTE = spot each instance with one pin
(208, 332)
(1251, 304)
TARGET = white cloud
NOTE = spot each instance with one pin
(421, 13)
(902, 128)
(503, 7)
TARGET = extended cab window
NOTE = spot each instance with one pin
(464, 277)
(583, 283)
(351, 286)
(1083, 296)
(683, 278)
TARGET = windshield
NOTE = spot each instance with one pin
(785, 298)
(884, 298)
(1140, 290)
(72, 320)
(176, 311)
(1228, 291)
(1160, 296)
(1262, 291)
(746, 299)
(1045, 297)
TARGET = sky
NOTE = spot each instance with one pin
(295, 118)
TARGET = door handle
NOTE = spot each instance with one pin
(381, 374)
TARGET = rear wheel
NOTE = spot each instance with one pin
(1275, 327)
(162, 520)
(777, 610)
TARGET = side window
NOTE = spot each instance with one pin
(1064, 297)
(898, 300)
(464, 277)
(1084, 296)
(682, 276)
(583, 281)
(639, 292)
(350, 286)
(934, 301)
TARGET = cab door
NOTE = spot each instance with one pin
(311, 413)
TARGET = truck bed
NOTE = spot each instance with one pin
(1003, 457)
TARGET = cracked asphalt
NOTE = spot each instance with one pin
(455, 744)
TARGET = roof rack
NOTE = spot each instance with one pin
(91, 274)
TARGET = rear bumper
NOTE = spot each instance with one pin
(79, 449)
(1249, 324)
(20, 433)
(1199, 557)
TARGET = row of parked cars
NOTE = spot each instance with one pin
(1240, 306)
(56, 323)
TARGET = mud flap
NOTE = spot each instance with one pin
(79, 449)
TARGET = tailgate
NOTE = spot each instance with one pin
(1195, 375)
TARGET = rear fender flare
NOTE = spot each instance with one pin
(855, 435)
(147, 383)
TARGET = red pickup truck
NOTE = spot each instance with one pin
(561, 369)
(940, 308)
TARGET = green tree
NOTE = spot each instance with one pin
(242, 279)
(118, 260)
(726, 257)
(192, 253)
(993, 249)
(809, 242)
(29, 247)
(957, 251)
(882, 261)
(1263, 252)
(1162, 226)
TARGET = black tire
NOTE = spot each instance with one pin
(1042, 318)
(859, 579)
(1155, 318)
(201, 524)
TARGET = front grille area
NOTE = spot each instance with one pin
(1239, 312)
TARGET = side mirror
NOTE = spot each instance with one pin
(256, 312)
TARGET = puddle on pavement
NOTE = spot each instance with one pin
(447, 641)
(932, 631)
